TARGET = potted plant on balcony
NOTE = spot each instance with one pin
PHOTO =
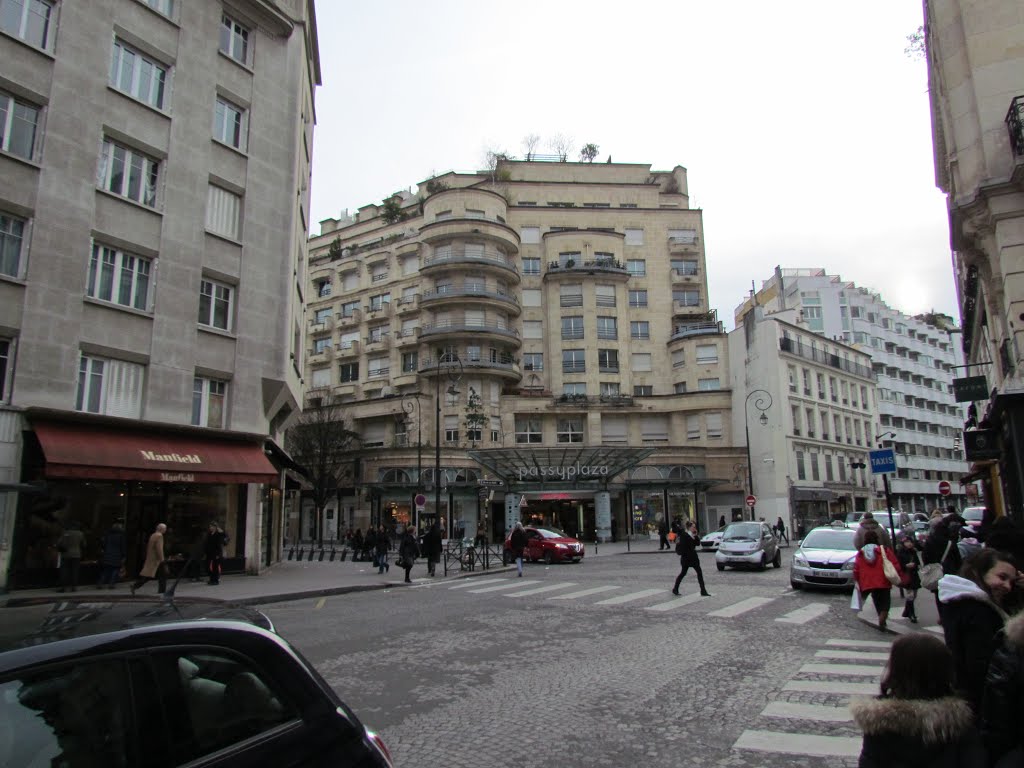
(475, 418)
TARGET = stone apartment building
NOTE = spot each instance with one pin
(156, 163)
(976, 86)
(530, 342)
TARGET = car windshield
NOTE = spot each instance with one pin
(829, 540)
(741, 531)
(974, 514)
(720, 530)
(553, 533)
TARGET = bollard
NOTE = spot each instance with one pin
(321, 558)
(344, 554)
(312, 551)
(332, 555)
(302, 551)
(291, 553)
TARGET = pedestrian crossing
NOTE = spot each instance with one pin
(810, 717)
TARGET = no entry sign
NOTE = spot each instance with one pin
(944, 488)
(751, 500)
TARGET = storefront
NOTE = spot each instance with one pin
(101, 471)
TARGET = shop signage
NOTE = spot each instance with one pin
(177, 477)
(175, 458)
(555, 496)
(563, 473)
(970, 388)
(981, 444)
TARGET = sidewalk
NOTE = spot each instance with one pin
(298, 580)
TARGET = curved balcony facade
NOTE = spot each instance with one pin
(456, 257)
(576, 253)
(606, 269)
(505, 366)
(471, 203)
(482, 331)
(456, 231)
(471, 295)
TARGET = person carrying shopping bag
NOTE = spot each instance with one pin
(873, 577)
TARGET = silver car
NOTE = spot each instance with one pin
(748, 544)
(824, 558)
(711, 540)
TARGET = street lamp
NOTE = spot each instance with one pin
(449, 365)
(411, 405)
(759, 403)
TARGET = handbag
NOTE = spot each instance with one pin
(855, 599)
(890, 571)
(931, 573)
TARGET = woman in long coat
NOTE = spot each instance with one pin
(408, 551)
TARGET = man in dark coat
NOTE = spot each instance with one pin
(663, 535)
(432, 547)
(686, 548)
(112, 558)
(408, 551)
(216, 540)
(517, 543)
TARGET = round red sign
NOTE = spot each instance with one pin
(944, 488)
(751, 501)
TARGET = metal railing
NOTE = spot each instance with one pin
(604, 265)
(820, 356)
(458, 256)
(1015, 125)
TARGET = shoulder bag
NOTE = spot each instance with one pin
(890, 571)
(931, 573)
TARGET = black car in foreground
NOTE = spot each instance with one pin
(119, 683)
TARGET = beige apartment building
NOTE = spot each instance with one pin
(976, 86)
(156, 163)
(541, 335)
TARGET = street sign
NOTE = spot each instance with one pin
(522, 502)
(489, 483)
(883, 461)
(751, 500)
(944, 488)
(421, 502)
(970, 388)
(981, 444)
(971, 489)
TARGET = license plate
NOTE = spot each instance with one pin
(825, 574)
(735, 559)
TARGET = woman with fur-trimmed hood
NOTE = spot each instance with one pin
(1002, 701)
(917, 721)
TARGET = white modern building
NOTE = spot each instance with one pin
(914, 359)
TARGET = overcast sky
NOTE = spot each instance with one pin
(803, 125)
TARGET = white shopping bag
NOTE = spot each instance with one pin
(855, 599)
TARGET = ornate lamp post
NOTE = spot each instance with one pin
(448, 365)
(760, 403)
(411, 405)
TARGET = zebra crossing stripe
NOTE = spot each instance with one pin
(506, 585)
(584, 592)
(741, 607)
(799, 744)
(852, 655)
(630, 597)
(475, 583)
(540, 590)
(805, 614)
(818, 712)
(859, 643)
(853, 670)
(832, 686)
(937, 629)
(678, 602)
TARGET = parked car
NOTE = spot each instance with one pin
(918, 522)
(711, 541)
(751, 543)
(550, 545)
(154, 683)
(824, 558)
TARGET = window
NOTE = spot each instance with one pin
(529, 236)
(215, 304)
(378, 367)
(533, 329)
(322, 316)
(531, 266)
(795, 410)
(801, 470)
(119, 277)
(208, 399)
(614, 429)
(689, 297)
(821, 386)
(348, 372)
(222, 212)
(654, 428)
(636, 267)
(708, 385)
(810, 422)
(578, 388)
(707, 354)
(678, 358)
(321, 345)
(496, 436)
(824, 425)
(18, 124)
(693, 426)
(607, 328)
(12, 236)
(234, 39)
(714, 424)
(380, 301)
(643, 390)
(28, 20)
(230, 124)
(6, 359)
(638, 298)
(813, 458)
(639, 329)
(572, 327)
(349, 309)
(608, 361)
(533, 361)
(792, 378)
(410, 362)
(137, 75)
(573, 361)
(569, 259)
(570, 430)
(128, 173)
(604, 295)
(610, 389)
(828, 468)
(321, 378)
(531, 297)
(166, 7)
(634, 236)
(528, 430)
(641, 361)
(807, 381)
(571, 295)
(111, 387)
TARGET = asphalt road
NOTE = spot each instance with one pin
(597, 664)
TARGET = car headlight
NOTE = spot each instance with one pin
(799, 559)
(848, 565)
(561, 546)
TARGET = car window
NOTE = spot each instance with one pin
(216, 700)
(973, 515)
(553, 533)
(74, 716)
(742, 531)
(829, 540)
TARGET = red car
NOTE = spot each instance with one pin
(550, 545)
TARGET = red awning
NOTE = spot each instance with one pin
(100, 453)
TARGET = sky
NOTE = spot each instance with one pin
(804, 127)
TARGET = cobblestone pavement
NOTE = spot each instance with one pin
(471, 673)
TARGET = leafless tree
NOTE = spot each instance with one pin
(530, 142)
(561, 145)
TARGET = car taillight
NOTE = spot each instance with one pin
(379, 744)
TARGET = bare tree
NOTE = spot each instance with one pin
(588, 153)
(561, 145)
(320, 442)
(530, 142)
(492, 157)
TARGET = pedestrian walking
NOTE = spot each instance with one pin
(517, 543)
(370, 545)
(941, 547)
(780, 529)
(870, 577)
(383, 544)
(408, 551)
(114, 549)
(686, 548)
(917, 721)
(432, 547)
(910, 561)
(1002, 701)
(70, 549)
(357, 544)
(155, 566)
(721, 521)
(213, 549)
(868, 523)
(973, 616)
(663, 535)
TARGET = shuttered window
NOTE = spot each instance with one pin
(222, 210)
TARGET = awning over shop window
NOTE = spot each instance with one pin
(107, 453)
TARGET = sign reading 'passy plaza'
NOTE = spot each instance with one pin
(571, 472)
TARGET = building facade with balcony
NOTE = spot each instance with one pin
(976, 87)
(570, 301)
(808, 406)
(156, 165)
(915, 360)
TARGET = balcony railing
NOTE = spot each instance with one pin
(460, 256)
(469, 291)
(468, 326)
(612, 266)
(683, 331)
(1015, 125)
(587, 401)
(820, 356)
